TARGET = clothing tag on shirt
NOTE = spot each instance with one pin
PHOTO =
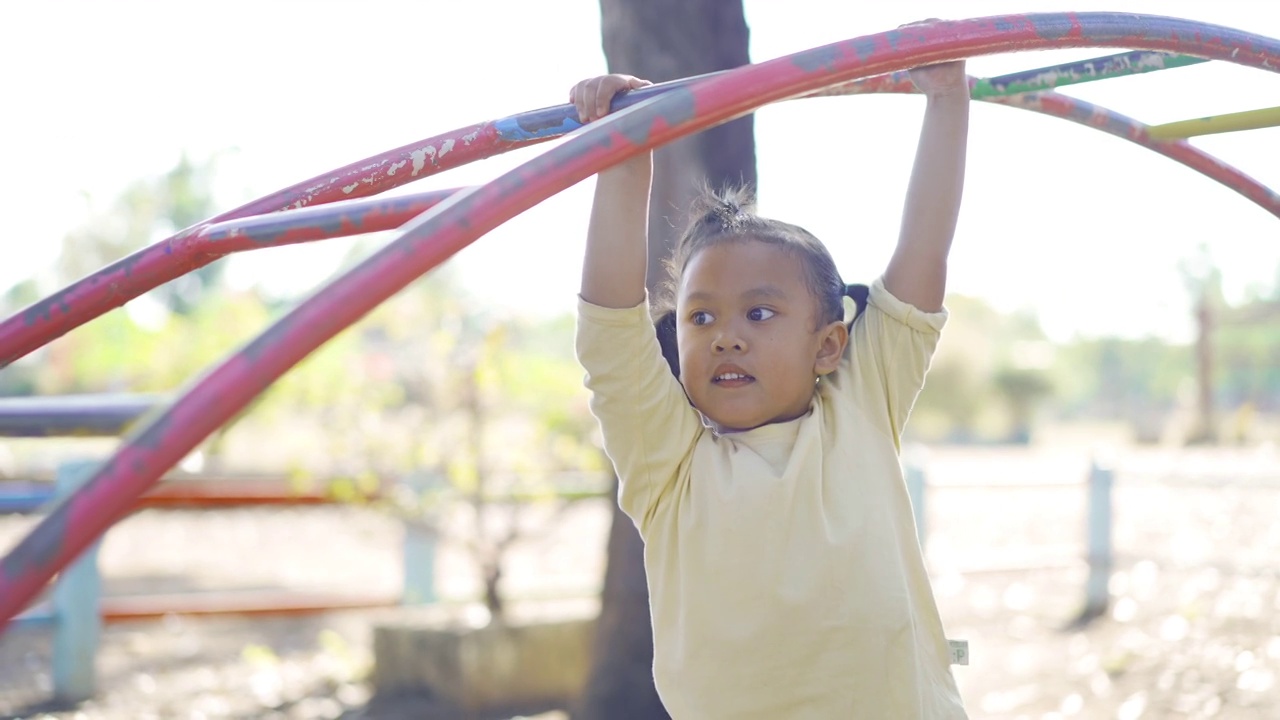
(959, 651)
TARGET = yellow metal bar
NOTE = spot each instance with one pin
(1247, 120)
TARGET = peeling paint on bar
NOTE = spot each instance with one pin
(517, 129)
(1103, 68)
(420, 158)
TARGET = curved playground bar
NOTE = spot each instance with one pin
(163, 437)
(295, 214)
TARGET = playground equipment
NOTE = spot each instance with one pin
(427, 237)
(76, 609)
(1231, 122)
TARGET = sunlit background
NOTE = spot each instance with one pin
(1076, 275)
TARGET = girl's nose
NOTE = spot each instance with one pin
(729, 341)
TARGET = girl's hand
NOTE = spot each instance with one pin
(941, 79)
(948, 78)
(592, 96)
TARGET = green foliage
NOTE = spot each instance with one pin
(1115, 378)
(1247, 355)
(980, 353)
(117, 352)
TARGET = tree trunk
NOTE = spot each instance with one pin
(661, 40)
(1206, 426)
(620, 686)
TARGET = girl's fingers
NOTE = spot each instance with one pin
(592, 98)
(604, 99)
(575, 98)
(588, 102)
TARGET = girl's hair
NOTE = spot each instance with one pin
(729, 216)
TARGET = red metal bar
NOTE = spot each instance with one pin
(157, 264)
(205, 492)
(253, 603)
(147, 452)
(260, 603)
(232, 492)
(1098, 118)
(321, 222)
(189, 250)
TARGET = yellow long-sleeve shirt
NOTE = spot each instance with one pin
(785, 578)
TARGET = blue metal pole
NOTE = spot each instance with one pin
(105, 415)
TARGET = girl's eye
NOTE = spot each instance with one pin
(758, 314)
(701, 317)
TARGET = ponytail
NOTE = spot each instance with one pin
(665, 327)
(729, 212)
(858, 294)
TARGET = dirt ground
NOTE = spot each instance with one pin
(1193, 628)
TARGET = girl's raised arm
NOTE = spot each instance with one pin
(917, 273)
(614, 266)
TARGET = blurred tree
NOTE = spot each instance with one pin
(1021, 389)
(1120, 378)
(661, 40)
(983, 353)
(1247, 350)
(435, 384)
(22, 294)
(1204, 283)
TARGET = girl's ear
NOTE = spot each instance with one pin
(835, 337)
(665, 327)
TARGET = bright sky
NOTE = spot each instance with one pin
(1085, 229)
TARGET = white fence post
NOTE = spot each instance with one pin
(77, 614)
(913, 470)
(420, 539)
(1097, 595)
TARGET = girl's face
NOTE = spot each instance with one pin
(750, 346)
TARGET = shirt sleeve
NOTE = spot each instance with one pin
(890, 348)
(648, 425)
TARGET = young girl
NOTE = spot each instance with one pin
(785, 577)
